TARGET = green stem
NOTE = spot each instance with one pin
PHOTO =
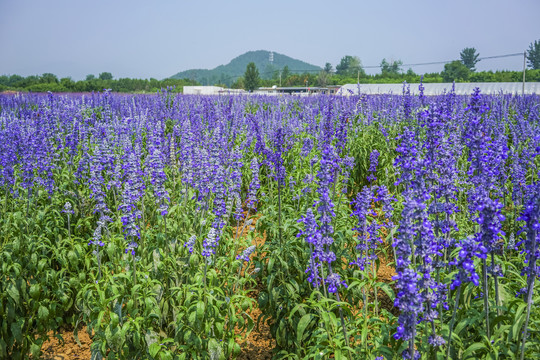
(531, 279)
(134, 269)
(69, 227)
(375, 288)
(279, 213)
(529, 303)
(496, 279)
(98, 261)
(486, 302)
(458, 294)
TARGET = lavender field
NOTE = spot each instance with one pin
(162, 221)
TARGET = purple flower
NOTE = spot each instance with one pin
(409, 302)
(470, 248)
(210, 242)
(254, 185)
(190, 243)
(277, 156)
(156, 173)
(67, 208)
(334, 281)
(131, 248)
(246, 254)
(307, 145)
(313, 238)
(96, 239)
(373, 162)
(366, 229)
(436, 340)
(531, 217)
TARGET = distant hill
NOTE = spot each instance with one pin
(227, 74)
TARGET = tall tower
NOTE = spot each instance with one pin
(271, 57)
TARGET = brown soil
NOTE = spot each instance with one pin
(259, 343)
(384, 274)
(54, 349)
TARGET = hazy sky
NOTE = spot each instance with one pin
(158, 38)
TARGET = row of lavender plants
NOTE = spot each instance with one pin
(160, 221)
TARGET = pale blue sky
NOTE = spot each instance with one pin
(158, 38)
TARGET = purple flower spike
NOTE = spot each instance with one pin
(246, 254)
(68, 209)
(373, 162)
(190, 243)
(131, 247)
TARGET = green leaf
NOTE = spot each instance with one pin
(518, 322)
(14, 293)
(34, 350)
(16, 329)
(43, 313)
(214, 349)
(200, 310)
(302, 325)
(387, 290)
(281, 334)
(153, 349)
(473, 348)
(3, 348)
(236, 350)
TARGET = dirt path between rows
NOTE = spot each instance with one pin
(258, 345)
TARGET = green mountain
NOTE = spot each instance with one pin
(227, 74)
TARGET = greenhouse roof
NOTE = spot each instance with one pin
(441, 88)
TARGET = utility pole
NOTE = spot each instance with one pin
(358, 77)
(524, 68)
(280, 78)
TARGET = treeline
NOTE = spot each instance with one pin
(324, 79)
(50, 82)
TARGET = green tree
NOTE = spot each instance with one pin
(455, 71)
(105, 76)
(49, 78)
(391, 68)
(285, 73)
(67, 83)
(533, 55)
(323, 78)
(15, 80)
(350, 66)
(238, 84)
(251, 77)
(469, 58)
(90, 77)
(410, 72)
(328, 68)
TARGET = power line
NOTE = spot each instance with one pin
(449, 61)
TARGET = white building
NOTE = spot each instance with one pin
(210, 90)
(441, 88)
(202, 90)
